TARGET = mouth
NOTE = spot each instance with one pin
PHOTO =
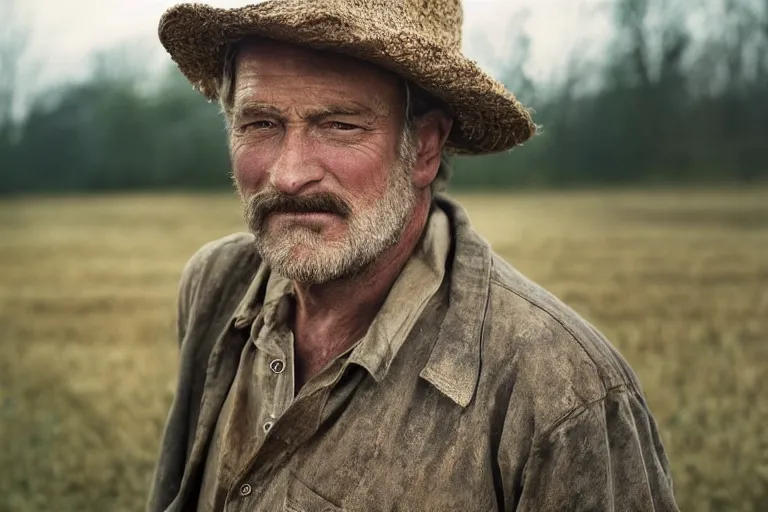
(311, 217)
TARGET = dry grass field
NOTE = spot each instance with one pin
(677, 280)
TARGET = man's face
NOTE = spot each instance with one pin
(320, 160)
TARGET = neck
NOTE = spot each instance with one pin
(331, 317)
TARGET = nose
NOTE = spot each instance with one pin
(295, 168)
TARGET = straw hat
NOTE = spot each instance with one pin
(419, 40)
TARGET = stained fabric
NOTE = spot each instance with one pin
(497, 396)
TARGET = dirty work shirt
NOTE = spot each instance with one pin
(497, 397)
(264, 387)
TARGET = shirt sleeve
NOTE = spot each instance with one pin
(605, 455)
(174, 446)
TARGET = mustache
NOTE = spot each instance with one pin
(263, 204)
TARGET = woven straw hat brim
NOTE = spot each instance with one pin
(487, 118)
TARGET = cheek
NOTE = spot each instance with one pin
(249, 166)
(361, 174)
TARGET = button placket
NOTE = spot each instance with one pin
(290, 380)
(276, 348)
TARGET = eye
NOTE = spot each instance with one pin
(338, 125)
(262, 124)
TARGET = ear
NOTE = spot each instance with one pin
(432, 131)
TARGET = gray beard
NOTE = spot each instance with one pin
(301, 254)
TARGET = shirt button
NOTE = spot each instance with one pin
(277, 366)
(267, 426)
(245, 490)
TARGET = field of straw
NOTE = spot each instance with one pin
(677, 280)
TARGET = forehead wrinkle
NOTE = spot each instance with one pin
(266, 61)
(374, 110)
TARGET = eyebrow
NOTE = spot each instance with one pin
(256, 108)
(340, 110)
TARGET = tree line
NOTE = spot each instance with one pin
(669, 101)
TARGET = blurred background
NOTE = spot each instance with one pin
(643, 204)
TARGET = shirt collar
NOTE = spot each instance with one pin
(251, 304)
(418, 281)
(454, 364)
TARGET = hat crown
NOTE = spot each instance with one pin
(436, 20)
(442, 19)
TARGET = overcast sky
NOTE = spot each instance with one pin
(66, 33)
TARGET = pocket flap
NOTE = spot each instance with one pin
(300, 498)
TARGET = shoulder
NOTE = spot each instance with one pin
(217, 259)
(554, 359)
(220, 269)
(219, 253)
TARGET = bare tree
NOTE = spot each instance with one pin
(763, 62)
(515, 56)
(13, 45)
(632, 61)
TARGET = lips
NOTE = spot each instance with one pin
(303, 212)
(306, 215)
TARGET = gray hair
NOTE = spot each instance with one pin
(418, 103)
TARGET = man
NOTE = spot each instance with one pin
(363, 348)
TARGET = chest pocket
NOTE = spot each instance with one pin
(300, 498)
